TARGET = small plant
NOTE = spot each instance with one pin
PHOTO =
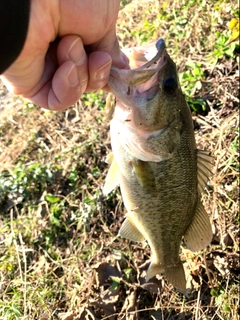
(221, 298)
(222, 48)
(191, 84)
(25, 181)
(191, 78)
(94, 99)
(234, 27)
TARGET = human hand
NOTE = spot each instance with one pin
(69, 50)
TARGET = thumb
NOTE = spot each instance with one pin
(109, 43)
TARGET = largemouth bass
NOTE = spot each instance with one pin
(155, 161)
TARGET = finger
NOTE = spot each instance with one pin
(66, 89)
(99, 65)
(109, 44)
(69, 80)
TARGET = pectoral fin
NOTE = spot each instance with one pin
(143, 173)
(112, 179)
(199, 233)
(138, 169)
(129, 231)
(204, 164)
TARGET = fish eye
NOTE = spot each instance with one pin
(170, 85)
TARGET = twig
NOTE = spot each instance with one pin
(25, 273)
(198, 300)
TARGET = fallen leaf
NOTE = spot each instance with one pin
(66, 316)
(44, 316)
(104, 272)
(130, 305)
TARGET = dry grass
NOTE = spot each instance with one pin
(60, 257)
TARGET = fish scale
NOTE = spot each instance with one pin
(155, 161)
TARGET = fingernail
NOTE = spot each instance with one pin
(73, 76)
(103, 72)
(76, 52)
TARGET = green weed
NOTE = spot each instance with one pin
(26, 180)
(94, 99)
(222, 48)
(191, 84)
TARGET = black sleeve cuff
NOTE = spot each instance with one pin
(14, 19)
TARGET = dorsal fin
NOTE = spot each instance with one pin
(112, 179)
(204, 164)
(199, 233)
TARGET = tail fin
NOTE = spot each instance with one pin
(174, 273)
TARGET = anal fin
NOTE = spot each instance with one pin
(199, 233)
(129, 231)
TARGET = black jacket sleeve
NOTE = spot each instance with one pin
(14, 19)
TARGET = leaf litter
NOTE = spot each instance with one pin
(63, 260)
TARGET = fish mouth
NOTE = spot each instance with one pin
(127, 83)
(133, 90)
